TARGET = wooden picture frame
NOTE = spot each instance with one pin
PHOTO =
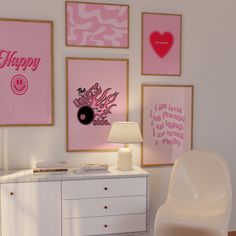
(97, 95)
(91, 24)
(161, 44)
(26, 69)
(167, 123)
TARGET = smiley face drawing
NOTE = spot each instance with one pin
(19, 84)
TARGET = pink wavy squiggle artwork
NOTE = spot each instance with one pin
(98, 25)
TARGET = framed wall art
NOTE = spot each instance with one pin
(161, 44)
(167, 119)
(97, 95)
(26, 72)
(97, 25)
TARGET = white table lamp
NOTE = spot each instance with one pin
(125, 132)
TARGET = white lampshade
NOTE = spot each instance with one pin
(125, 132)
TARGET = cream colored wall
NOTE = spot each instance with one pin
(208, 63)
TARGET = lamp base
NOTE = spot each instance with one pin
(124, 162)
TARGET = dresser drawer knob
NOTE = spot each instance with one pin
(105, 188)
(105, 226)
(105, 207)
(11, 193)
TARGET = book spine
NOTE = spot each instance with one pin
(49, 170)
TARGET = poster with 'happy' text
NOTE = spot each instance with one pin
(26, 72)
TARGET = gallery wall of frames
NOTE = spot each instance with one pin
(97, 88)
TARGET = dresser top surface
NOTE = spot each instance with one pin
(21, 176)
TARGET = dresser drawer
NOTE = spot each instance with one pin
(103, 206)
(103, 188)
(103, 225)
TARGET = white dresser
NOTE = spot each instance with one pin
(85, 204)
(31, 208)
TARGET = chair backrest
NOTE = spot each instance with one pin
(199, 179)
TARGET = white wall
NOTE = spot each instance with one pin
(208, 63)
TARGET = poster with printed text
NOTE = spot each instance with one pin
(26, 72)
(97, 25)
(97, 95)
(167, 113)
(161, 44)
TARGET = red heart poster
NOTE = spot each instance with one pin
(161, 43)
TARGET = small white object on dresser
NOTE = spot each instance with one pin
(72, 204)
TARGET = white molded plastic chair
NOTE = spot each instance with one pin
(199, 197)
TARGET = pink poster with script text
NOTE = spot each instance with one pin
(166, 123)
(161, 44)
(26, 78)
(97, 95)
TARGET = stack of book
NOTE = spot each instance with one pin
(44, 166)
(92, 168)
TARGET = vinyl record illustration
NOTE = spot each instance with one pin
(85, 115)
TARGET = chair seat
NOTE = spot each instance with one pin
(176, 229)
(174, 221)
(192, 216)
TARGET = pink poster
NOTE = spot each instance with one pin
(166, 123)
(26, 72)
(97, 25)
(97, 95)
(161, 44)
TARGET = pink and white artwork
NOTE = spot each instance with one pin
(97, 25)
(161, 44)
(26, 72)
(97, 95)
(166, 123)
